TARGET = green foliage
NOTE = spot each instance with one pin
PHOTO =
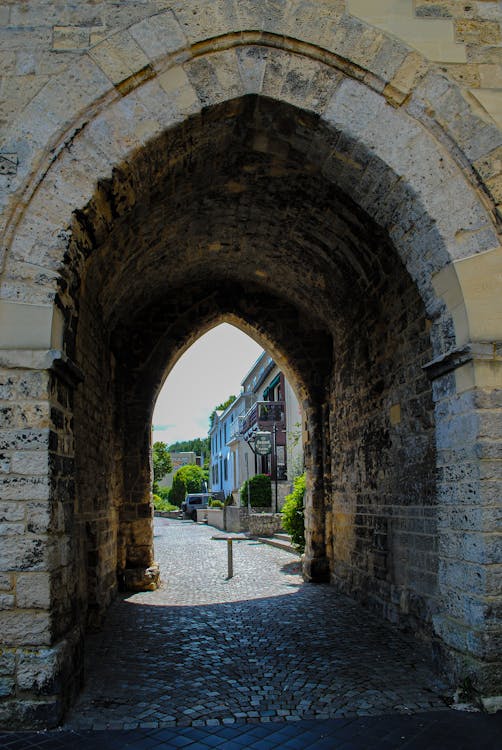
(161, 463)
(214, 503)
(198, 445)
(293, 513)
(160, 504)
(220, 407)
(229, 500)
(260, 491)
(188, 478)
(164, 493)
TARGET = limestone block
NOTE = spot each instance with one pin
(160, 105)
(38, 671)
(483, 580)
(29, 462)
(490, 101)
(40, 517)
(70, 38)
(478, 32)
(433, 37)
(142, 579)
(204, 19)
(317, 19)
(159, 35)
(434, 9)
(119, 57)
(492, 704)
(7, 661)
(121, 129)
(405, 78)
(28, 326)
(267, 16)
(470, 288)
(471, 518)
(215, 79)
(11, 529)
(490, 76)
(466, 75)
(177, 85)
(15, 487)
(84, 84)
(303, 83)
(484, 548)
(453, 112)
(8, 163)
(23, 628)
(5, 582)
(24, 439)
(22, 553)
(7, 686)
(33, 590)
(11, 512)
(7, 601)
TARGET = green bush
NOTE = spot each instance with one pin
(260, 488)
(229, 500)
(214, 503)
(160, 503)
(293, 514)
(188, 478)
(164, 493)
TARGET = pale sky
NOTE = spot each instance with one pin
(209, 372)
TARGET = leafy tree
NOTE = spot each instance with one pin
(198, 445)
(162, 464)
(189, 478)
(293, 513)
(260, 491)
(220, 407)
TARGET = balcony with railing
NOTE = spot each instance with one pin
(263, 416)
(236, 429)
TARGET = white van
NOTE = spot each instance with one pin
(192, 502)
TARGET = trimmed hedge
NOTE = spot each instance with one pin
(260, 491)
(293, 514)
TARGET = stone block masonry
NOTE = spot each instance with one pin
(292, 168)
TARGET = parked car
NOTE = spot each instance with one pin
(192, 502)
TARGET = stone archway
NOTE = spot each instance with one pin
(166, 212)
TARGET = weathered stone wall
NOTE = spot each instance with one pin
(39, 622)
(383, 516)
(264, 524)
(306, 175)
(98, 490)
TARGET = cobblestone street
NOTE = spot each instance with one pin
(261, 647)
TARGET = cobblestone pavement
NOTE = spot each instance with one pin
(446, 730)
(261, 647)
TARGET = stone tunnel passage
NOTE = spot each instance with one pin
(262, 647)
(230, 217)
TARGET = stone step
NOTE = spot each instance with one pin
(281, 541)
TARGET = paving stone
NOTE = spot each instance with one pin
(250, 640)
(157, 648)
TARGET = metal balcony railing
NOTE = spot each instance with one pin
(236, 428)
(263, 415)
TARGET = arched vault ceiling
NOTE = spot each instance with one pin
(232, 198)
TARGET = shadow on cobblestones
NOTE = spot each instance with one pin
(262, 647)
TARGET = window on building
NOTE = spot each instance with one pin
(225, 469)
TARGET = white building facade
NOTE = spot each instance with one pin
(267, 403)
